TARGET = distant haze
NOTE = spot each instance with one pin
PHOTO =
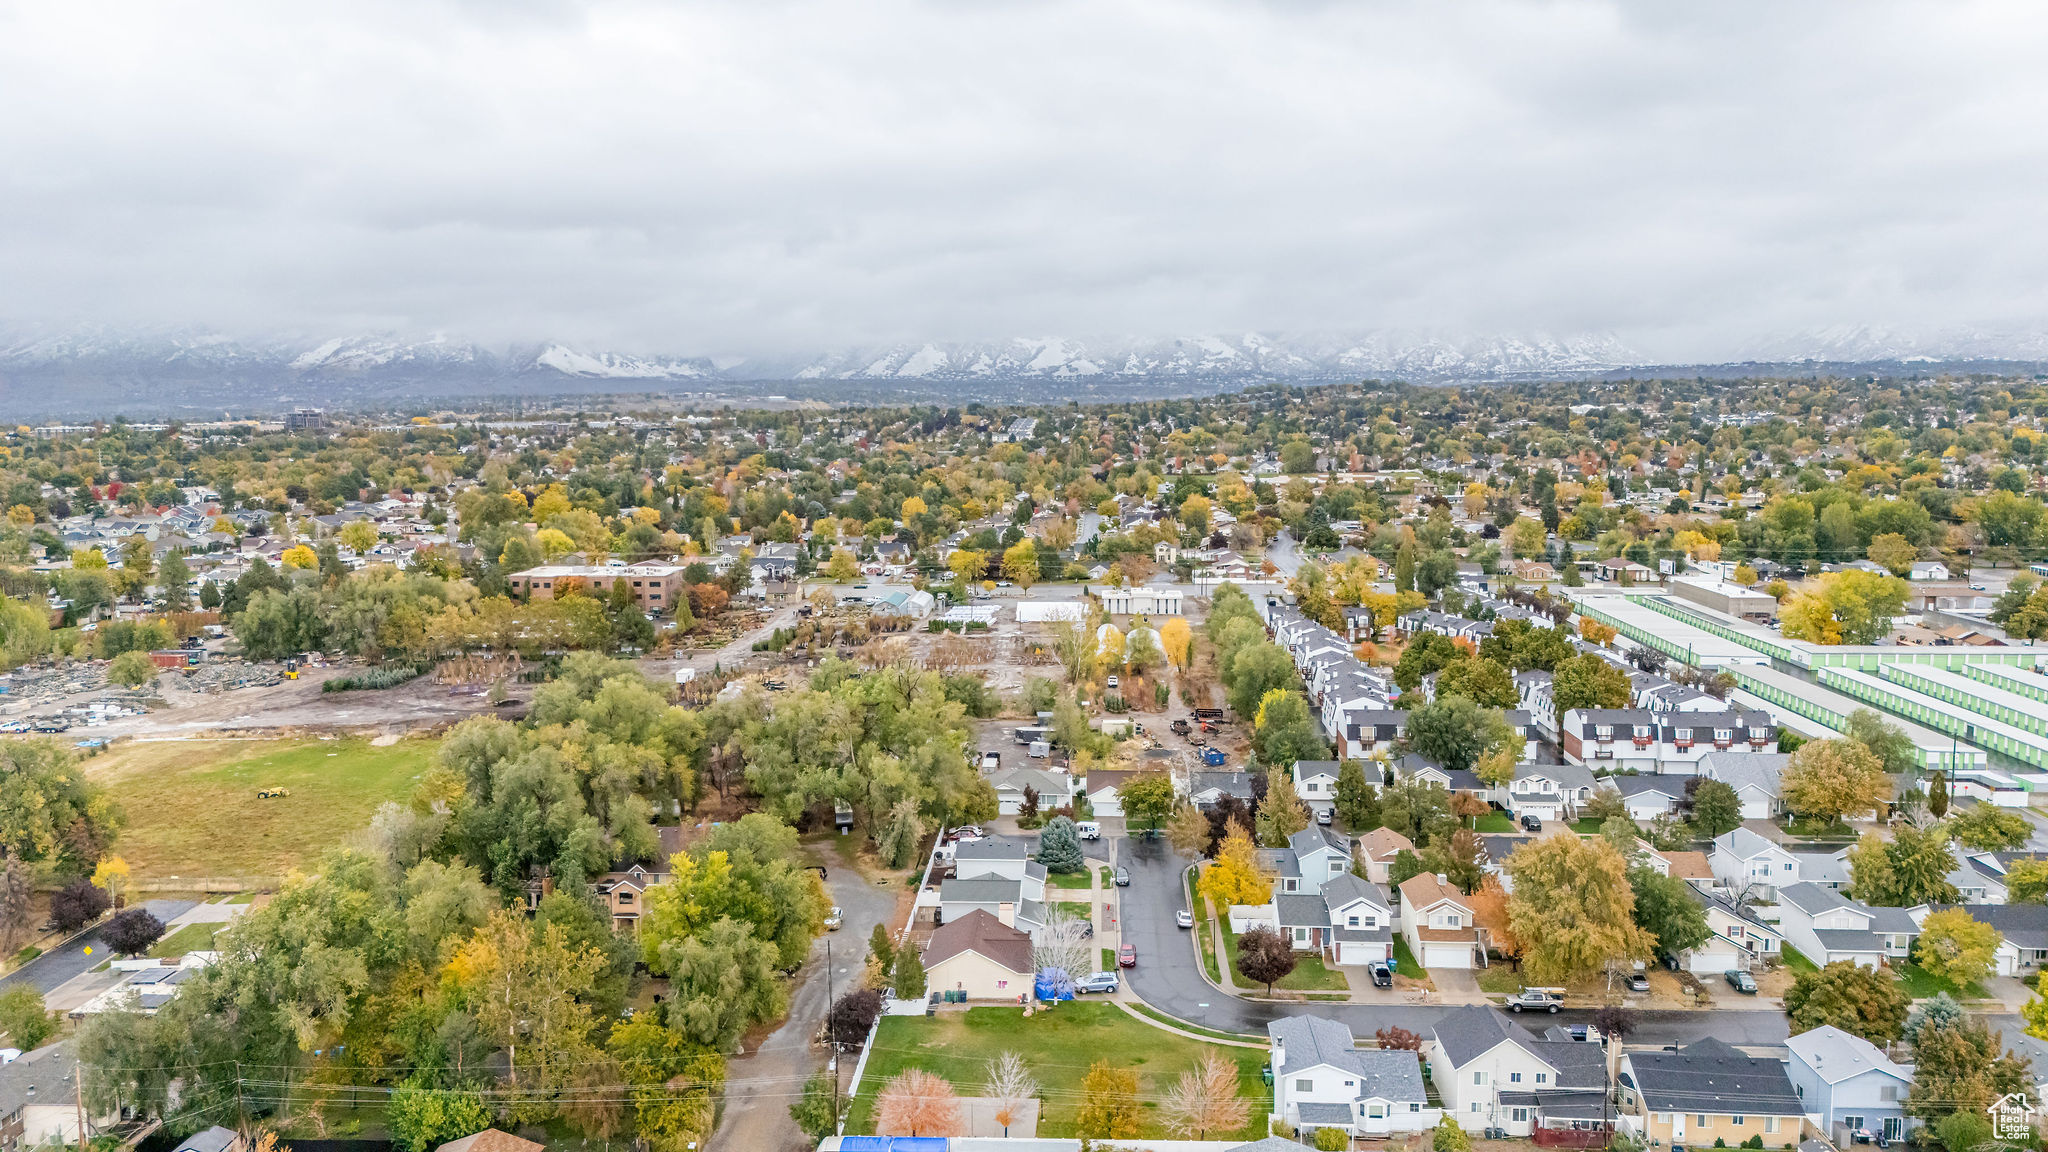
(845, 183)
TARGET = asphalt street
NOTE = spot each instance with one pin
(1169, 977)
(757, 1116)
(46, 972)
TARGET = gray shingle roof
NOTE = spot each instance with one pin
(1386, 1074)
(992, 848)
(1297, 911)
(1465, 1034)
(1708, 1076)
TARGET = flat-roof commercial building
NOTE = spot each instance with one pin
(1725, 596)
(1831, 709)
(657, 587)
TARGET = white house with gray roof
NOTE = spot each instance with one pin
(1745, 862)
(1850, 1084)
(1322, 1079)
(1493, 1073)
(1753, 775)
(1826, 926)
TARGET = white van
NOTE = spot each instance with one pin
(1088, 830)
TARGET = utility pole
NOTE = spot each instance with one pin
(78, 1087)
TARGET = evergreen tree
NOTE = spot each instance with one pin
(1059, 847)
(909, 975)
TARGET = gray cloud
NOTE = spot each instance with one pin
(766, 177)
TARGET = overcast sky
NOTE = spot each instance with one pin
(756, 177)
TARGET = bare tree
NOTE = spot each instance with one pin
(1064, 944)
(917, 1103)
(1205, 1100)
(1074, 643)
(1010, 1085)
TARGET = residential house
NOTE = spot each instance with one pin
(982, 956)
(1318, 854)
(1753, 775)
(38, 1100)
(2024, 928)
(1208, 789)
(1737, 936)
(1367, 730)
(1855, 1090)
(1826, 926)
(625, 894)
(1102, 786)
(1322, 1079)
(1437, 923)
(1639, 740)
(491, 1140)
(1824, 868)
(1054, 788)
(1617, 739)
(1749, 864)
(1491, 1072)
(1547, 791)
(1648, 797)
(1707, 1092)
(1315, 781)
(1377, 849)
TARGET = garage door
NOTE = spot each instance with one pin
(1446, 955)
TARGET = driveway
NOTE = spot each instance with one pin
(46, 972)
(774, 1073)
(1169, 977)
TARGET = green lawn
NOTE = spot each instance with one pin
(190, 938)
(1205, 945)
(241, 898)
(1108, 960)
(1310, 973)
(1587, 826)
(1920, 984)
(1797, 961)
(1404, 961)
(1058, 1046)
(193, 812)
(1495, 821)
(1144, 1009)
(1069, 880)
(1500, 980)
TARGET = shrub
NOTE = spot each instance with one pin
(1332, 1139)
(132, 931)
(77, 903)
(371, 679)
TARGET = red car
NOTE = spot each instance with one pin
(1127, 956)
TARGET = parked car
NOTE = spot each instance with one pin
(1740, 981)
(1531, 823)
(1127, 956)
(1088, 830)
(1536, 1000)
(1184, 918)
(1123, 877)
(835, 919)
(990, 761)
(1638, 983)
(1098, 982)
(1324, 815)
(1382, 974)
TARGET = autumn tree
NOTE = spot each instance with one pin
(1910, 869)
(1020, 563)
(1829, 779)
(1283, 813)
(1957, 947)
(1236, 877)
(1147, 799)
(1989, 828)
(1666, 910)
(1489, 904)
(1188, 831)
(1869, 1002)
(916, 1103)
(1265, 957)
(1572, 908)
(1205, 1100)
(1011, 1087)
(1395, 1038)
(1961, 1065)
(1109, 1103)
(1177, 640)
(1589, 682)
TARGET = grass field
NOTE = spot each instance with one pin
(1797, 961)
(190, 938)
(192, 808)
(1920, 984)
(1494, 822)
(1070, 880)
(1057, 1046)
(1405, 963)
(1310, 973)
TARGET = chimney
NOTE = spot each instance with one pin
(1007, 913)
(1442, 879)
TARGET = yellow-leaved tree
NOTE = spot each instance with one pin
(1177, 640)
(300, 556)
(1235, 877)
(1572, 908)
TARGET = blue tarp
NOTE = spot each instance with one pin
(1054, 984)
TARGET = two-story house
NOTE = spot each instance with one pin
(1613, 739)
(1737, 936)
(1491, 1072)
(625, 894)
(1363, 731)
(1321, 1079)
(2023, 931)
(1547, 791)
(1315, 781)
(1706, 1093)
(1750, 865)
(1437, 923)
(996, 875)
(1857, 1091)
(1376, 851)
(1318, 853)
(1753, 775)
(1826, 926)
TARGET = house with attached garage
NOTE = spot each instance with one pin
(1315, 781)
(1053, 787)
(1491, 1072)
(1208, 789)
(1826, 926)
(1648, 797)
(1753, 775)
(980, 955)
(1707, 1093)
(1737, 937)
(2024, 927)
(1437, 923)
(1377, 849)
(1321, 1079)
(1856, 1091)
(1102, 786)
(1826, 868)
(1748, 864)
(1547, 791)
(1427, 771)
(1312, 857)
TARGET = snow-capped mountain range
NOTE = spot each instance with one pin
(98, 370)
